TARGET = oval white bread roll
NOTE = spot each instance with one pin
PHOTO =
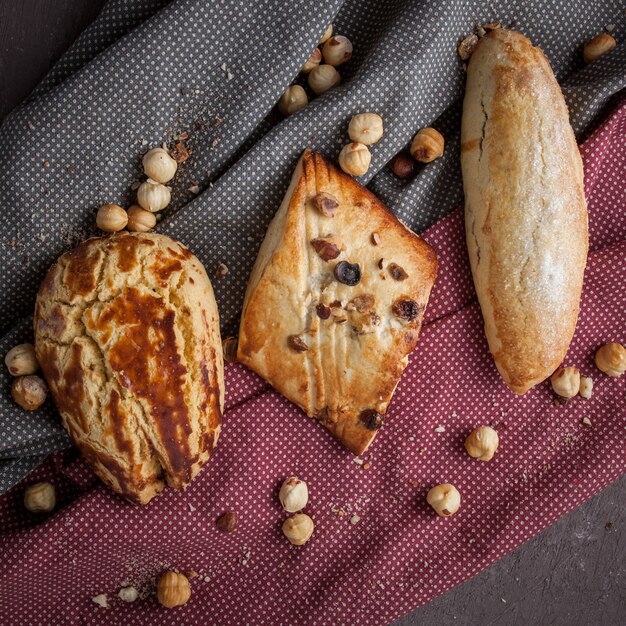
(525, 210)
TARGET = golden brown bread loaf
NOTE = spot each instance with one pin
(127, 335)
(525, 210)
(337, 349)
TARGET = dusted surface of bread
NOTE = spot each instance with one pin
(127, 335)
(525, 210)
(347, 374)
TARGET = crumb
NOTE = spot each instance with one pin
(191, 574)
(195, 189)
(46, 164)
(586, 421)
(101, 600)
(221, 270)
(30, 124)
(355, 519)
(192, 508)
(357, 460)
(610, 28)
(440, 429)
(367, 466)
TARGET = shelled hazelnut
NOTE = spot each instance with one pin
(21, 360)
(29, 392)
(294, 494)
(173, 590)
(153, 196)
(314, 60)
(598, 46)
(427, 145)
(292, 100)
(366, 128)
(445, 499)
(337, 50)
(140, 220)
(482, 443)
(111, 218)
(403, 165)
(159, 165)
(566, 381)
(322, 78)
(40, 498)
(611, 359)
(586, 387)
(298, 529)
(328, 33)
(355, 159)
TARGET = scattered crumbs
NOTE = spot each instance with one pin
(357, 460)
(610, 28)
(46, 164)
(355, 519)
(586, 421)
(192, 508)
(30, 124)
(221, 270)
(195, 189)
(440, 429)
(101, 600)
(246, 556)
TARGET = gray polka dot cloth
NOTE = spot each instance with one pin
(146, 71)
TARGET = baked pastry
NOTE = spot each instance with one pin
(127, 335)
(335, 301)
(525, 210)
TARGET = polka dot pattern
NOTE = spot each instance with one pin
(91, 120)
(399, 554)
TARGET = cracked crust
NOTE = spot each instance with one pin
(525, 210)
(351, 349)
(127, 335)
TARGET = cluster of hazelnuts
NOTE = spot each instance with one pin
(152, 196)
(321, 69)
(294, 496)
(567, 381)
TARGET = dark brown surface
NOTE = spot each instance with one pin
(572, 574)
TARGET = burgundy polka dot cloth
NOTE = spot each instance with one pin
(378, 551)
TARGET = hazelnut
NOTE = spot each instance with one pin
(298, 529)
(354, 159)
(153, 196)
(29, 392)
(127, 594)
(566, 382)
(337, 50)
(314, 60)
(297, 344)
(40, 498)
(611, 359)
(173, 590)
(586, 387)
(111, 218)
(326, 249)
(366, 128)
(326, 204)
(328, 33)
(140, 220)
(598, 46)
(294, 494)
(292, 100)
(322, 78)
(445, 499)
(21, 360)
(159, 165)
(403, 165)
(482, 443)
(427, 145)
(227, 522)
(229, 347)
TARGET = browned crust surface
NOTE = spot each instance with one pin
(525, 210)
(127, 334)
(350, 370)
